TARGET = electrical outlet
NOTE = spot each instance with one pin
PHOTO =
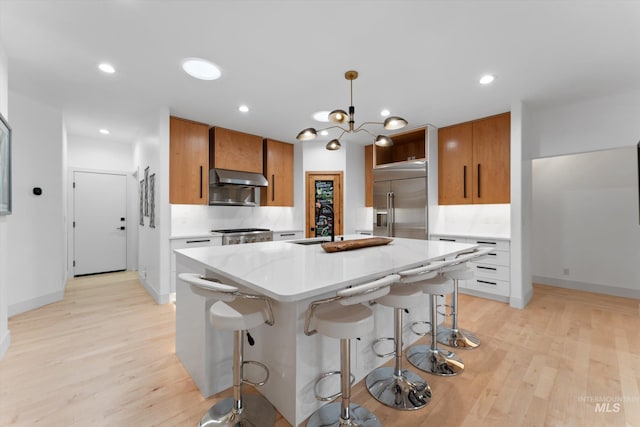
(565, 271)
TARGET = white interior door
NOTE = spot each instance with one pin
(100, 226)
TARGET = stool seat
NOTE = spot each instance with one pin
(438, 285)
(461, 272)
(402, 296)
(238, 315)
(344, 321)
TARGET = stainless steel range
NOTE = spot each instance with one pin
(238, 236)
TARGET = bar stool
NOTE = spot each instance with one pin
(461, 270)
(238, 312)
(345, 317)
(394, 386)
(431, 358)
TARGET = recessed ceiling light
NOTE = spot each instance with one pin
(321, 116)
(104, 131)
(486, 79)
(243, 108)
(385, 113)
(201, 69)
(107, 68)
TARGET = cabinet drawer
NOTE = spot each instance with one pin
(496, 258)
(287, 235)
(490, 286)
(491, 272)
(499, 245)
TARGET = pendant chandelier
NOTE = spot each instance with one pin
(342, 117)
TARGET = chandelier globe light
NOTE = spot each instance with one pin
(343, 117)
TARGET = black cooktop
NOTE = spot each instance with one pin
(240, 230)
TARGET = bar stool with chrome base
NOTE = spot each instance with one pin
(431, 358)
(238, 312)
(461, 270)
(394, 386)
(345, 317)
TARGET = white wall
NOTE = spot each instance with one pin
(101, 155)
(5, 336)
(586, 221)
(581, 229)
(36, 236)
(151, 149)
(591, 125)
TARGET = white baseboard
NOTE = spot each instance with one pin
(521, 303)
(159, 298)
(4, 344)
(485, 295)
(588, 287)
(34, 303)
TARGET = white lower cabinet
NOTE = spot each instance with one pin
(188, 242)
(492, 272)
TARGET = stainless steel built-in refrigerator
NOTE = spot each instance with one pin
(400, 200)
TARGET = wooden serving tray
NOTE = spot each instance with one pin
(348, 245)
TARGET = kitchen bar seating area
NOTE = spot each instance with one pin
(300, 280)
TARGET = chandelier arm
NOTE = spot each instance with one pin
(364, 130)
(334, 127)
(359, 128)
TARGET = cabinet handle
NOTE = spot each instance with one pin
(201, 182)
(273, 187)
(478, 180)
(446, 240)
(482, 242)
(287, 234)
(199, 241)
(486, 268)
(464, 182)
(485, 282)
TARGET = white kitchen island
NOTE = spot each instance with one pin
(292, 275)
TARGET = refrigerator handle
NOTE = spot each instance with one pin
(392, 214)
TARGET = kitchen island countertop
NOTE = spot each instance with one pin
(286, 271)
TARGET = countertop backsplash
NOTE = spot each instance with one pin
(196, 219)
(472, 220)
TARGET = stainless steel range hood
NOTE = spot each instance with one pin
(234, 188)
(229, 177)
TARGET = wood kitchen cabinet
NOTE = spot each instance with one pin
(234, 150)
(368, 176)
(474, 161)
(188, 162)
(278, 169)
(409, 145)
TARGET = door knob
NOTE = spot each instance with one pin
(119, 228)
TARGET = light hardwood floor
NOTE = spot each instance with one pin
(105, 356)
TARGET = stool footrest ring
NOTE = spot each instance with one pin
(263, 366)
(419, 322)
(373, 347)
(451, 313)
(324, 376)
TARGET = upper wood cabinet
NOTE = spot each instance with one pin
(368, 176)
(474, 161)
(188, 162)
(278, 169)
(409, 145)
(235, 150)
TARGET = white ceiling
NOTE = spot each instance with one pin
(286, 59)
